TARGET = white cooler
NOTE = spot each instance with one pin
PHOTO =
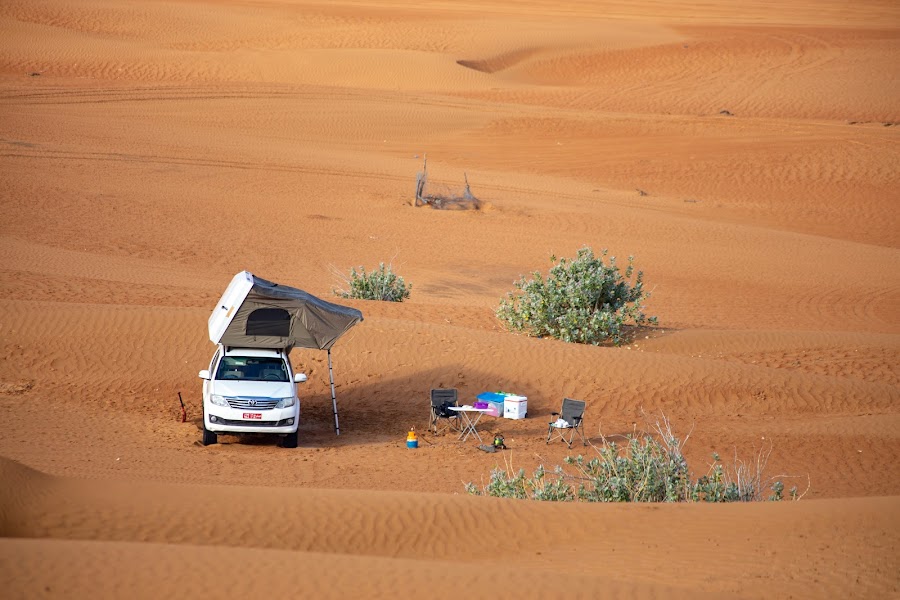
(515, 407)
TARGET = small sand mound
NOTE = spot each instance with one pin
(501, 62)
(15, 387)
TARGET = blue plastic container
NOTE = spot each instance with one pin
(491, 397)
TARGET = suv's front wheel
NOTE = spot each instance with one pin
(290, 440)
(209, 437)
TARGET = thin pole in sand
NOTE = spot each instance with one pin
(337, 428)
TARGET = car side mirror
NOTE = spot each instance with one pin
(204, 374)
(300, 377)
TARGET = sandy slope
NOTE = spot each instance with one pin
(149, 151)
(337, 544)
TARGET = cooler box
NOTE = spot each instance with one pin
(515, 407)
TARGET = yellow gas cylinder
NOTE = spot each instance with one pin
(411, 440)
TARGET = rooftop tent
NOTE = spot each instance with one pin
(256, 313)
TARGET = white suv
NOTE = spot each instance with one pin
(250, 390)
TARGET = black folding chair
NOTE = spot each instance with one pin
(568, 422)
(441, 401)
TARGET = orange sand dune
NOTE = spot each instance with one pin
(334, 543)
(746, 155)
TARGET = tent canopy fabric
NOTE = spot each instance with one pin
(269, 315)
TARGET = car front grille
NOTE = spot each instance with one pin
(252, 403)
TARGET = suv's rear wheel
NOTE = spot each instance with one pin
(289, 440)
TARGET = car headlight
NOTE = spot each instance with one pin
(285, 403)
(218, 400)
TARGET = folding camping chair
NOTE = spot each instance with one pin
(441, 400)
(570, 419)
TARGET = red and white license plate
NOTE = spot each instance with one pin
(253, 415)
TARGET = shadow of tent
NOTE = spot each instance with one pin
(385, 409)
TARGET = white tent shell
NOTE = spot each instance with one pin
(256, 313)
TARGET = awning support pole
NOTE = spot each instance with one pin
(337, 428)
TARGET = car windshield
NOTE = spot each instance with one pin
(252, 368)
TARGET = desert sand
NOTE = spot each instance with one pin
(747, 155)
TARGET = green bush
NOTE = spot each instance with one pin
(647, 468)
(504, 485)
(582, 300)
(380, 284)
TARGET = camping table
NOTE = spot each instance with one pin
(468, 424)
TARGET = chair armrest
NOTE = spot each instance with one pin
(554, 414)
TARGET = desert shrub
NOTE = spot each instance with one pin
(647, 468)
(583, 300)
(539, 487)
(643, 471)
(379, 284)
